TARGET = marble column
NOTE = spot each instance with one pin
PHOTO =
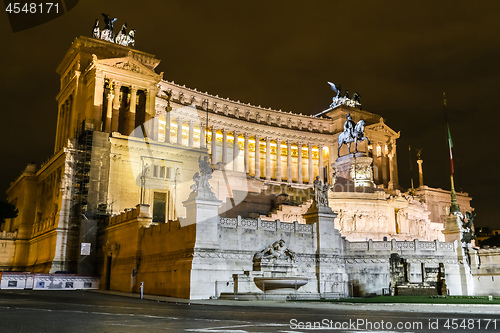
(420, 172)
(257, 156)
(149, 112)
(224, 146)
(320, 164)
(58, 129)
(214, 145)
(384, 165)
(109, 112)
(191, 134)
(247, 153)
(391, 172)
(235, 151)
(116, 108)
(167, 126)
(98, 103)
(203, 143)
(154, 133)
(289, 174)
(310, 165)
(131, 114)
(299, 164)
(278, 160)
(268, 158)
(179, 131)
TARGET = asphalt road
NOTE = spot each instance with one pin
(79, 311)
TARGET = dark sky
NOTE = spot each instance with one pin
(399, 55)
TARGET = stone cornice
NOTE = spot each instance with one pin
(238, 110)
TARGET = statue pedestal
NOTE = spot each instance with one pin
(354, 170)
(202, 209)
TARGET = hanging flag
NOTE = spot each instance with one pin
(450, 145)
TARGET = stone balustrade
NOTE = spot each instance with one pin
(254, 224)
(399, 246)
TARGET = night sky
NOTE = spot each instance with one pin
(399, 55)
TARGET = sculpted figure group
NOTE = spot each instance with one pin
(107, 33)
(275, 251)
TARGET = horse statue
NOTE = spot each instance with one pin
(357, 135)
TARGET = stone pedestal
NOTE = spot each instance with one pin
(329, 248)
(355, 169)
(453, 232)
(202, 209)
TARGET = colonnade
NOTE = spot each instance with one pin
(263, 157)
(126, 107)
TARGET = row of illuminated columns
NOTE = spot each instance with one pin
(263, 161)
(64, 123)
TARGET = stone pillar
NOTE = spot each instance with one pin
(390, 156)
(420, 172)
(150, 111)
(310, 165)
(156, 124)
(268, 158)
(179, 131)
(384, 165)
(202, 136)
(167, 126)
(257, 156)
(191, 134)
(116, 108)
(98, 103)
(133, 104)
(278, 160)
(329, 243)
(58, 129)
(247, 153)
(320, 164)
(299, 163)
(214, 145)
(224, 146)
(109, 112)
(235, 150)
(289, 161)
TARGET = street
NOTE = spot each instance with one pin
(85, 311)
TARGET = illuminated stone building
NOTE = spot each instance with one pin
(127, 138)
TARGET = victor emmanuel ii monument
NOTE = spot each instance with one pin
(202, 196)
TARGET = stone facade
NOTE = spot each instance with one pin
(127, 138)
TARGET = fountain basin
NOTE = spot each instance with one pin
(270, 283)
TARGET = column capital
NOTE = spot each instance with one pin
(225, 131)
(246, 135)
(268, 139)
(310, 145)
(256, 137)
(320, 146)
(289, 143)
(133, 88)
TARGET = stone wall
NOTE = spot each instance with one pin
(369, 270)
(485, 268)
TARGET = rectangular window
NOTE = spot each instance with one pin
(162, 172)
(155, 171)
(169, 171)
(159, 206)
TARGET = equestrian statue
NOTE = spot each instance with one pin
(352, 133)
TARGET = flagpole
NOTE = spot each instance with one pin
(454, 208)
